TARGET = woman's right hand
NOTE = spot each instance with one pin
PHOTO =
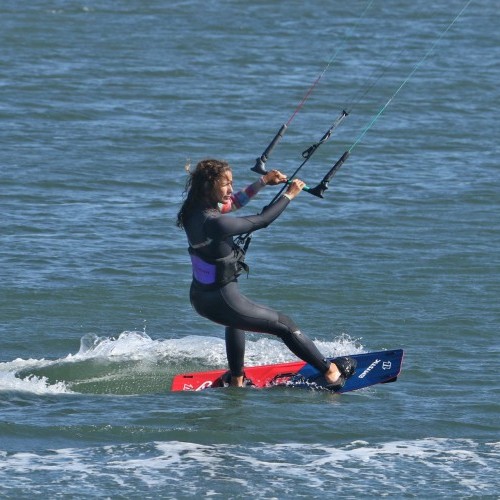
(294, 188)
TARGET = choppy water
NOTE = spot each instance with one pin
(102, 103)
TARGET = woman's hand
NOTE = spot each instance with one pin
(274, 177)
(295, 187)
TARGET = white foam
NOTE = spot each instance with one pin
(32, 384)
(9, 381)
(395, 467)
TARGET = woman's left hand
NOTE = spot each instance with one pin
(274, 177)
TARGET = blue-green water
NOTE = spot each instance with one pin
(102, 103)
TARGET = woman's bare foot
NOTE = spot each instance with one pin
(333, 374)
(237, 381)
(339, 371)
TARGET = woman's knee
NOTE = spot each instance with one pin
(288, 325)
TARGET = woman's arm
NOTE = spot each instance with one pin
(241, 198)
(222, 226)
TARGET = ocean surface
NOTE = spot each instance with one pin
(102, 105)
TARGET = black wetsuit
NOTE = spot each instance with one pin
(210, 234)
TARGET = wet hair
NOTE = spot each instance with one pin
(200, 185)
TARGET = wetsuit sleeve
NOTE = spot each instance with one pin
(241, 198)
(224, 225)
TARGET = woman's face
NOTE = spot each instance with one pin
(224, 187)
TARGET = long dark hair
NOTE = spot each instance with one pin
(200, 186)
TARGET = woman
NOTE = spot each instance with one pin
(217, 262)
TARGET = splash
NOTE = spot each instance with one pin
(134, 363)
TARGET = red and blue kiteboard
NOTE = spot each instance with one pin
(372, 368)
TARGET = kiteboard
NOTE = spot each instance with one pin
(372, 368)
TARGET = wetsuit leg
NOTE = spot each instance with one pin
(235, 350)
(229, 307)
(304, 348)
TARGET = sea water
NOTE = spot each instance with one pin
(103, 104)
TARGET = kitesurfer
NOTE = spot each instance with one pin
(217, 261)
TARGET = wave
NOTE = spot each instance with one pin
(134, 363)
(396, 468)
